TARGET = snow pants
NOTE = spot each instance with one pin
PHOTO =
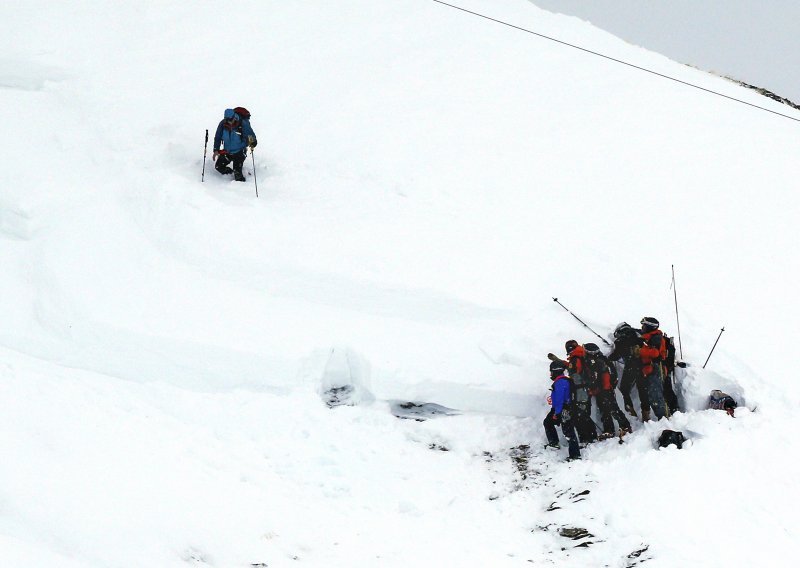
(609, 411)
(633, 376)
(567, 428)
(224, 159)
(655, 392)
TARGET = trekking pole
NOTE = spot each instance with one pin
(255, 178)
(715, 346)
(583, 322)
(677, 318)
(205, 151)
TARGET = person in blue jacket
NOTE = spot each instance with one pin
(235, 135)
(561, 402)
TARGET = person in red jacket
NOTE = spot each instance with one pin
(651, 355)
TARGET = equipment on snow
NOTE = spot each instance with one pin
(714, 347)
(719, 400)
(582, 322)
(205, 151)
(670, 437)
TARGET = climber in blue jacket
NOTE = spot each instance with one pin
(235, 135)
(561, 402)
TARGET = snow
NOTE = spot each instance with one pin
(428, 182)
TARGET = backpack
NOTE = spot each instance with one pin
(598, 364)
(719, 400)
(669, 437)
(243, 113)
(583, 380)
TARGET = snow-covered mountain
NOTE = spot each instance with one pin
(428, 182)
(755, 42)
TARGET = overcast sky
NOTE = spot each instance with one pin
(755, 41)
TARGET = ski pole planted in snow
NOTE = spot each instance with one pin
(205, 151)
(714, 347)
(255, 178)
(583, 322)
(677, 318)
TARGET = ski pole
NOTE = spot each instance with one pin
(205, 151)
(255, 178)
(714, 347)
(583, 322)
(677, 318)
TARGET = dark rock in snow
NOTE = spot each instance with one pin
(339, 396)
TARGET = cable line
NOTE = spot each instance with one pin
(615, 60)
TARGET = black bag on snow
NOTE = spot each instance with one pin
(669, 437)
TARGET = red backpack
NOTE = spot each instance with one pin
(243, 113)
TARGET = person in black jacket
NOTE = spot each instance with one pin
(626, 339)
(603, 388)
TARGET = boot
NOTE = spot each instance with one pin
(237, 175)
(646, 415)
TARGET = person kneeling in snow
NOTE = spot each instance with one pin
(235, 135)
(722, 401)
(561, 401)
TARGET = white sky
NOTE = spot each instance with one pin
(755, 41)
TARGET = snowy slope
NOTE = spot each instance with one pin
(428, 182)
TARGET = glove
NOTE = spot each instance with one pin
(215, 155)
(554, 358)
(251, 141)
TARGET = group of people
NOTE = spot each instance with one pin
(647, 357)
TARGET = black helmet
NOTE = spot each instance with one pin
(557, 368)
(592, 349)
(649, 324)
(622, 330)
(570, 345)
